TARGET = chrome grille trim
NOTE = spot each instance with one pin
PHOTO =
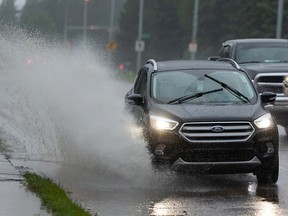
(201, 132)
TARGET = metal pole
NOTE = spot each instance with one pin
(112, 12)
(194, 27)
(85, 22)
(279, 18)
(140, 30)
(66, 22)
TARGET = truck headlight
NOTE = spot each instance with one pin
(264, 121)
(285, 82)
(161, 123)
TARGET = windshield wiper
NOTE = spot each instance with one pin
(192, 96)
(232, 90)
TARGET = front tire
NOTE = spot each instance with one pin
(269, 172)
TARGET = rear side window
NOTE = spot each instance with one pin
(225, 52)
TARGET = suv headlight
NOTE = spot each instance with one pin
(264, 121)
(161, 123)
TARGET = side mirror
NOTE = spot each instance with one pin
(268, 97)
(136, 99)
(213, 58)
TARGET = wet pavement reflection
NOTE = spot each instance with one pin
(167, 194)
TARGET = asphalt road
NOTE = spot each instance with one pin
(166, 194)
(207, 195)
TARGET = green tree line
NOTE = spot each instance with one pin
(167, 24)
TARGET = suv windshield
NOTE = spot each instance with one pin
(169, 86)
(262, 52)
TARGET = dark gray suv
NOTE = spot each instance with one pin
(205, 117)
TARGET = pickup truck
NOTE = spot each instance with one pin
(266, 63)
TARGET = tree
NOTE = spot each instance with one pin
(49, 17)
(170, 25)
(40, 16)
(8, 12)
(161, 24)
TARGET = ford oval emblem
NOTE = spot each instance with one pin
(217, 129)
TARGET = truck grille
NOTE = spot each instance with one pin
(272, 82)
(208, 132)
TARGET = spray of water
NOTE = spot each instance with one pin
(64, 105)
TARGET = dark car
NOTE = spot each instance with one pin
(205, 117)
(266, 61)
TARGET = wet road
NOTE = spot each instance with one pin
(206, 195)
(166, 194)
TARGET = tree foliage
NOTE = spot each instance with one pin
(8, 12)
(170, 25)
(167, 24)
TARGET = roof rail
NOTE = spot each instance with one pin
(231, 61)
(153, 62)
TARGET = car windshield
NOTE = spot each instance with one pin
(169, 86)
(262, 52)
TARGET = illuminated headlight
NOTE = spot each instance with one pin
(285, 82)
(264, 121)
(160, 123)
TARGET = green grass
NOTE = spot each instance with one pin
(53, 197)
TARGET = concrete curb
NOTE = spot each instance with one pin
(16, 200)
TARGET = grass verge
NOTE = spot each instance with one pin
(53, 197)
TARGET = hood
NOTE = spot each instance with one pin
(191, 112)
(253, 69)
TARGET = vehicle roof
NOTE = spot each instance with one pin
(256, 40)
(191, 64)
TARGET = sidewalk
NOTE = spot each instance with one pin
(16, 200)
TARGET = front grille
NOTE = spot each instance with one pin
(264, 88)
(272, 82)
(204, 132)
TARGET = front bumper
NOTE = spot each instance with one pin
(217, 167)
(170, 148)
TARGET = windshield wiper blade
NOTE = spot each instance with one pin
(231, 89)
(192, 96)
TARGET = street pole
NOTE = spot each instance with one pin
(140, 30)
(85, 23)
(279, 18)
(194, 30)
(65, 36)
(112, 12)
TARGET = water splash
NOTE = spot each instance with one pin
(63, 105)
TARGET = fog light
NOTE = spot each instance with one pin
(270, 147)
(159, 151)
